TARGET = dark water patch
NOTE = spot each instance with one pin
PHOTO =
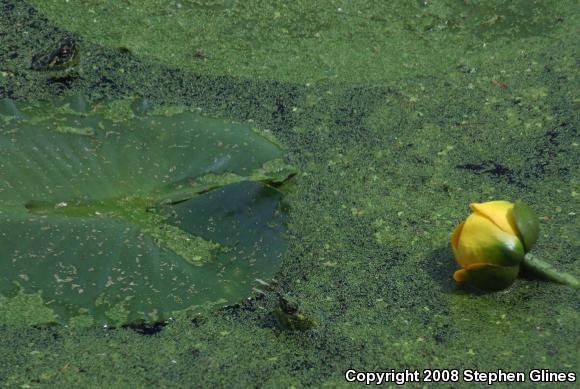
(549, 151)
(491, 168)
(147, 329)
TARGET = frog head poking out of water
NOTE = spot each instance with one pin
(66, 55)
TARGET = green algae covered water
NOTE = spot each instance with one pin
(395, 115)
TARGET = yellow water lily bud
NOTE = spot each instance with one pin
(492, 242)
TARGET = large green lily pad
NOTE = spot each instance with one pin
(107, 217)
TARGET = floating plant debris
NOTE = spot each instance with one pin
(111, 217)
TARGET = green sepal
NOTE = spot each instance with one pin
(511, 253)
(490, 278)
(508, 250)
(528, 224)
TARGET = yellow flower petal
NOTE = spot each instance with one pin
(460, 276)
(499, 212)
(455, 238)
(481, 241)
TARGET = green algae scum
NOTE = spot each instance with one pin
(239, 194)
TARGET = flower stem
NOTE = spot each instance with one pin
(548, 272)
